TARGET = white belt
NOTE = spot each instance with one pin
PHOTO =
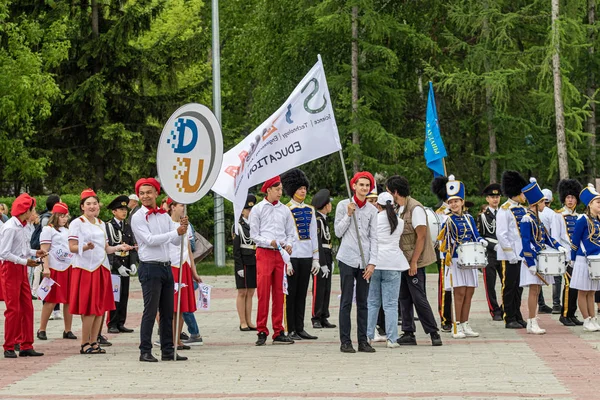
(248, 246)
(491, 240)
(326, 246)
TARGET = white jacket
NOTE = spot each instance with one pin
(389, 256)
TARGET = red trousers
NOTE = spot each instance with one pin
(18, 317)
(269, 277)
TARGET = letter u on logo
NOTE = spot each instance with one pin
(185, 185)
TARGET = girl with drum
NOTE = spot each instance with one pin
(586, 248)
(534, 238)
(458, 230)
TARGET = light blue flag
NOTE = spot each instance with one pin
(434, 145)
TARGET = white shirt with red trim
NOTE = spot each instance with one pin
(84, 231)
(14, 246)
(59, 255)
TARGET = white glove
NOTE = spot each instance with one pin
(562, 250)
(496, 248)
(132, 269)
(290, 269)
(532, 270)
(241, 273)
(123, 271)
(325, 271)
(513, 260)
(315, 267)
(484, 242)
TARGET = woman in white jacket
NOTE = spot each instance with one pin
(385, 282)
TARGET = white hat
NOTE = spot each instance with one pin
(384, 197)
(134, 197)
(547, 195)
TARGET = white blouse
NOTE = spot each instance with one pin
(174, 249)
(60, 257)
(85, 232)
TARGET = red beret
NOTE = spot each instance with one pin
(269, 183)
(60, 208)
(169, 201)
(21, 205)
(88, 193)
(147, 181)
(363, 174)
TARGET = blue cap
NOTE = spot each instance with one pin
(588, 194)
(454, 189)
(533, 193)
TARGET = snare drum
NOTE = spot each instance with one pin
(434, 223)
(551, 262)
(471, 255)
(594, 267)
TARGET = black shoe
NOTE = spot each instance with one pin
(576, 321)
(252, 328)
(326, 324)
(113, 329)
(544, 309)
(317, 325)
(183, 347)
(436, 340)
(497, 317)
(556, 309)
(69, 335)
(30, 353)
(283, 339)
(305, 335)
(407, 339)
(447, 328)
(566, 321)
(513, 325)
(184, 336)
(10, 354)
(123, 329)
(523, 323)
(42, 335)
(365, 347)
(17, 347)
(148, 357)
(399, 321)
(416, 318)
(380, 330)
(171, 357)
(344, 348)
(262, 339)
(246, 329)
(103, 341)
(294, 336)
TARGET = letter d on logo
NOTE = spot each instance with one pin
(181, 125)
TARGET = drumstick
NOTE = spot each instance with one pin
(542, 278)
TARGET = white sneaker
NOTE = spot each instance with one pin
(392, 345)
(534, 328)
(378, 337)
(56, 314)
(468, 331)
(157, 343)
(51, 317)
(594, 322)
(460, 334)
(589, 326)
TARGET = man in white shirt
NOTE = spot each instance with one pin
(271, 227)
(154, 230)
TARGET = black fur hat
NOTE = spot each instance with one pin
(293, 180)
(438, 187)
(512, 183)
(569, 187)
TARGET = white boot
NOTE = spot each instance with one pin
(589, 326)
(468, 331)
(534, 328)
(460, 334)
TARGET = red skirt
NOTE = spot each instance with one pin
(59, 293)
(188, 298)
(91, 292)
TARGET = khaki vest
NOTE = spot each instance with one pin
(408, 240)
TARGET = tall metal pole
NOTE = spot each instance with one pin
(219, 246)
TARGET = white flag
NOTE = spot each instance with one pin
(301, 130)
(203, 297)
(116, 287)
(44, 288)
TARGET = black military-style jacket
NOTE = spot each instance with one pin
(118, 234)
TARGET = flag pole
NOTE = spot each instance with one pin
(176, 333)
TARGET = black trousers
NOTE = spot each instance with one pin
(348, 276)
(321, 296)
(494, 267)
(412, 293)
(444, 296)
(511, 292)
(157, 289)
(118, 316)
(295, 302)
(569, 296)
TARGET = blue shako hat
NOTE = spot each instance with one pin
(454, 189)
(533, 192)
(588, 194)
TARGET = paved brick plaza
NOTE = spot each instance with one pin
(500, 364)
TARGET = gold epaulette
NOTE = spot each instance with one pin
(440, 210)
(560, 211)
(505, 206)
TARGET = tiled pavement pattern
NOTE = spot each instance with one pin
(500, 364)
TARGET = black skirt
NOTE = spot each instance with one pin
(249, 279)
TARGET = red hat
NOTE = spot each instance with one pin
(363, 174)
(88, 193)
(60, 208)
(269, 183)
(169, 201)
(147, 181)
(21, 205)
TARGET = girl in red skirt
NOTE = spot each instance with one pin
(188, 298)
(54, 239)
(91, 292)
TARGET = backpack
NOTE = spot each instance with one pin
(35, 236)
